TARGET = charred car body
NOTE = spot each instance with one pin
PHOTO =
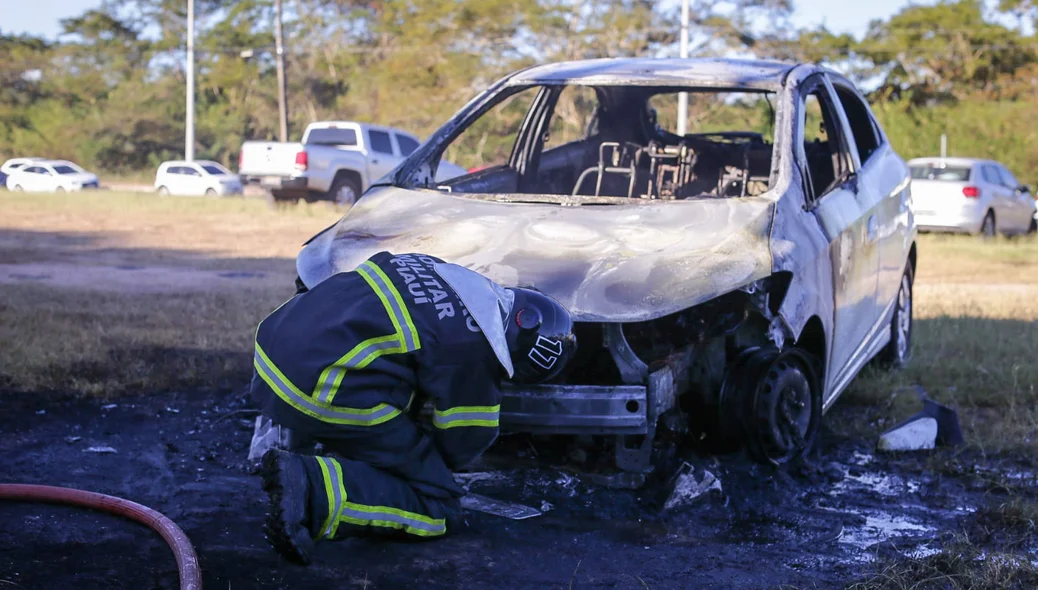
(734, 278)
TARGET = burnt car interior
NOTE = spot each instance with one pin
(625, 153)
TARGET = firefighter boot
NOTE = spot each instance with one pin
(288, 520)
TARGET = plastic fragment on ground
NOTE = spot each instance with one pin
(917, 434)
(498, 507)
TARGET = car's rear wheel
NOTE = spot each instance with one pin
(163, 191)
(988, 227)
(898, 351)
(18, 188)
(344, 191)
(210, 192)
(59, 189)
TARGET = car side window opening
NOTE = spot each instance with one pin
(1007, 178)
(825, 149)
(380, 142)
(618, 142)
(990, 174)
(407, 144)
(863, 129)
(214, 170)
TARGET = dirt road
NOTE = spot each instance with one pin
(184, 455)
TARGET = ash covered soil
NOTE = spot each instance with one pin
(184, 455)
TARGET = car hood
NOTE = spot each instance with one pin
(605, 263)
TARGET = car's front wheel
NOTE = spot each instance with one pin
(210, 192)
(163, 191)
(59, 189)
(897, 352)
(17, 188)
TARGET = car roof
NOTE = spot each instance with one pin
(950, 161)
(691, 72)
(186, 163)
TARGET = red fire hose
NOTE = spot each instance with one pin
(187, 560)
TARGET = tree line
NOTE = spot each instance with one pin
(109, 92)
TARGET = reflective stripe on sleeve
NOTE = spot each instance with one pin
(486, 416)
(361, 356)
(322, 411)
(336, 493)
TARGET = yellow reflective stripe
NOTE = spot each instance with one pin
(322, 411)
(359, 357)
(330, 488)
(393, 303)
(485, 416)
(394, 518)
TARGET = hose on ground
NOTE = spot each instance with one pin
(187, 560)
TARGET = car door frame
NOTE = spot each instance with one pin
(1002, 202)
(1020, 199)
(888, 180)
(381, 168)
(843, 220)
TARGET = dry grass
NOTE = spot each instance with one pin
(115, 335)
(976, 343)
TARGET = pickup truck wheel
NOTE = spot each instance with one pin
(344, 191)
(897, 352)
(279, 200)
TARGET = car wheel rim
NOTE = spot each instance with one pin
(904, 318)
(346, 195)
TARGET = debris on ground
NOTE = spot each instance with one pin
(686, 487)
(101, 450)
(497, 507)
(915, 434)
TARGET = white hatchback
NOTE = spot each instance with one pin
(50, 176)
(201, 177)
(971, 196)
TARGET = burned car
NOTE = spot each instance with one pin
(730, 273)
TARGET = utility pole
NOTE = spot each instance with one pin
(683, 97)
(189, 121)
(279, 48)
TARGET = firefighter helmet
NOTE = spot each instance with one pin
(540, 336)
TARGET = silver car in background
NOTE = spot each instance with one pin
(970, 196)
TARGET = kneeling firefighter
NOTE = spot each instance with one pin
(349, 364)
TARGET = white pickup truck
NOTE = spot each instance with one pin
(335, 161)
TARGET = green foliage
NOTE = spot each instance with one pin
(110, 94)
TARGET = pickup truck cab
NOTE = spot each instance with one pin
(335, 161)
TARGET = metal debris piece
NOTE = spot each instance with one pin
(267, 435)
(41, 412)
(109, 406)
(685, 487)
(73, 439)
(915, 434)
(546, 506)
(498, 507)
(102, 450)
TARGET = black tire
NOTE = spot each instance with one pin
(1033, 228)
(345, 191)
(774, 400)
(17, 188)
(163, 191)
(896, 354)
(988, 227)
(210, 192)
(59, 189)
(280, 200)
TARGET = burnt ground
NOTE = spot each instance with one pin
(184, 455)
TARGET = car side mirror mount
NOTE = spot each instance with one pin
(1023, 188)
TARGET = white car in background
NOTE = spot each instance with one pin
(50, 176)
(969, 195)
(200, 177)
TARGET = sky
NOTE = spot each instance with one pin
(840, 16)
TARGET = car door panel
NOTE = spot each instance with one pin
(844, 214)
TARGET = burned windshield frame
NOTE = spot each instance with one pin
(730, 159)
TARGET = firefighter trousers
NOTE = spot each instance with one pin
(383, 480)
